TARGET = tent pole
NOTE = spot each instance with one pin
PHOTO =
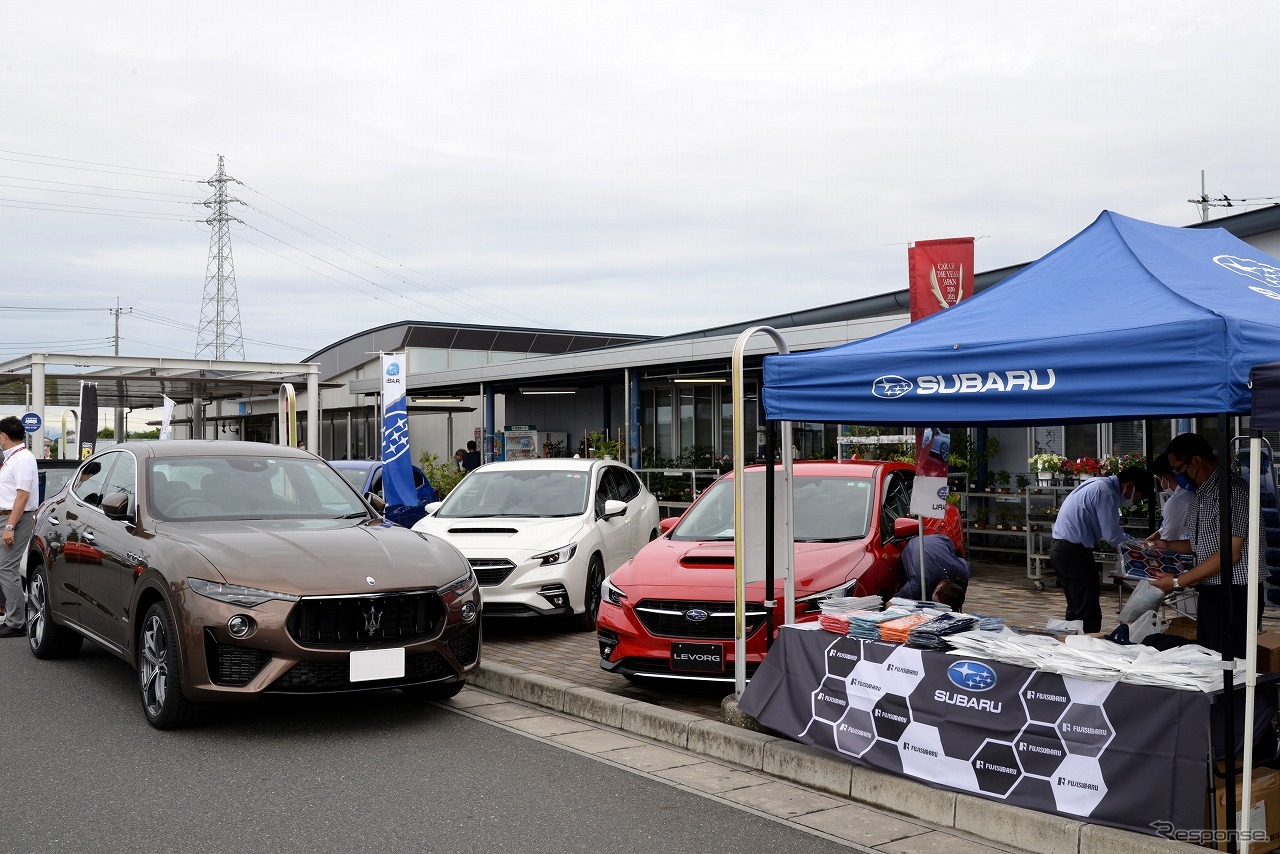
(1227, 579)
(1251, 648)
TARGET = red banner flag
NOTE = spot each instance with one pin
(941, 274)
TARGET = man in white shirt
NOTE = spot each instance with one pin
(19, 497)
(1176, 499)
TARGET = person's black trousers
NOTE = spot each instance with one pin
(1081, 582)
(1210, 626)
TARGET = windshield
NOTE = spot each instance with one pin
(538, 493)
(55, 478)
(827, 509)
(226, 487)
(357, 476)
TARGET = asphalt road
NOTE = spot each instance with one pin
(351, 774)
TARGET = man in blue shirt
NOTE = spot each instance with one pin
(941, 565)
(1089, 515)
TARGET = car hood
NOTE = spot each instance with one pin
(699, 570)
(505, 535)
(318, 557)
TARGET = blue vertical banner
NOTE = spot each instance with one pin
(397, 471)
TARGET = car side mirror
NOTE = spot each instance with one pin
(905, 528)
(375, 501)
(432, 507)
(614, 508)
(116, 505)
(665, 525)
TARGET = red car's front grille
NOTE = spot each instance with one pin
(701, 620)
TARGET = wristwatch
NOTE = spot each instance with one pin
(8, 527)
(1177, 585)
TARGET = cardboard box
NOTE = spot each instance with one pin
(1182, 627)
(1269, 652)
(1266, 808)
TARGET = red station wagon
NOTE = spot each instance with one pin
(668, 613)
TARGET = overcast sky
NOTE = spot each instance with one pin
(637, 167)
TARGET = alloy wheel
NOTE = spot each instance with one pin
(153, 666)
(37, 610)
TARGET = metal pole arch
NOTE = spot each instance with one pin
(739, 498)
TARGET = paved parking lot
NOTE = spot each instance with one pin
(552, 649)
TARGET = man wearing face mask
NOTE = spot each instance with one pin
(1089, 515)
(1175, 499)
(1192, 456)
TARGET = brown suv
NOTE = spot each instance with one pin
(227, 570)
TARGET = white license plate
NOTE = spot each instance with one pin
(370, 664)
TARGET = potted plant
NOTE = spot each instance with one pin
(1023, 482)
(1004, 519)
(1001, 479)
(1047, 467)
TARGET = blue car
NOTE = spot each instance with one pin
(366, 477)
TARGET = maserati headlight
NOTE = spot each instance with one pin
(611, 592)
(461, 585)
(564, 554)
(236, 594)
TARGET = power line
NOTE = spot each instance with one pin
(100, 195)
(464, 305)
(93, 163)
(473, 298)
(91, 186)
(50, 207)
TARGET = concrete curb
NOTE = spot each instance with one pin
(807, 766)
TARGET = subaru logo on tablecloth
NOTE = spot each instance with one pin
(891, 386)
(696, 615)
(971, 675)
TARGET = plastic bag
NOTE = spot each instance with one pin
(1146, 623)
(1145, 597)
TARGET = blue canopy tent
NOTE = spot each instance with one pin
(1126, 320)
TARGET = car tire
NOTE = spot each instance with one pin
(586, 621)
(160, 672)
(47, 639)
(437, 691)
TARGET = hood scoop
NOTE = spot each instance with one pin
(694, 560)
(483, 531)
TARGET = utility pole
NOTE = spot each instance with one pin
(1204, 200)
(120, 427)
(219, 336)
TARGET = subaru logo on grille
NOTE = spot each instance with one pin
(890, 386)
(696, 615)
(369, 578)
(971, 675)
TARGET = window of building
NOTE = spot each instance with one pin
(427, 359)
(1080, 440)
(468, 358)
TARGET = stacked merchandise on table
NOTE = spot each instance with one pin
(931, 634)
(866, 624)
(897, 631)
(836, 611)
(1185, 668)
